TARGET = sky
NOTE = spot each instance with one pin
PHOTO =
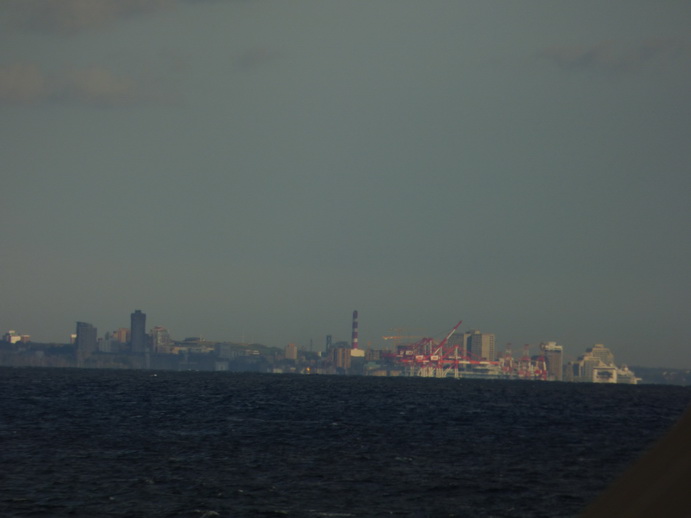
(255, 170)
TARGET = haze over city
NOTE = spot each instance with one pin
(257, 170)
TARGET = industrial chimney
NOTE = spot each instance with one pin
(354, 343)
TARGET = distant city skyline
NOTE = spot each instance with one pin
(254, 171)
(456, 355)
(483, 344)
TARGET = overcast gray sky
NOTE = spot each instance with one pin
(259, 169)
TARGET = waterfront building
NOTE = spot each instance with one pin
(291, 352)
(582, 369)
(597, 366)
(122, 335)
(13, 337)
(138, 331)
(554, 358)
(481, 346)
(85, 341)
(601, 352)
(341, 358)
(107, 344)
(357, 353)
(160, 340)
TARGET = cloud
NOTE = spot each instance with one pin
(26, 83)
(72, 16)
(610, 56)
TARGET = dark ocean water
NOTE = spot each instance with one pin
(193, 444)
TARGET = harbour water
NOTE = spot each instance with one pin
(200, 444)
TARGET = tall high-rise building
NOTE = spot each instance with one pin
(85, 341)
(482, 345)
(160, 339)
(138, 331)
(291, 352)
(554, 357)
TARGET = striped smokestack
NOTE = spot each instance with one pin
(354, 343)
